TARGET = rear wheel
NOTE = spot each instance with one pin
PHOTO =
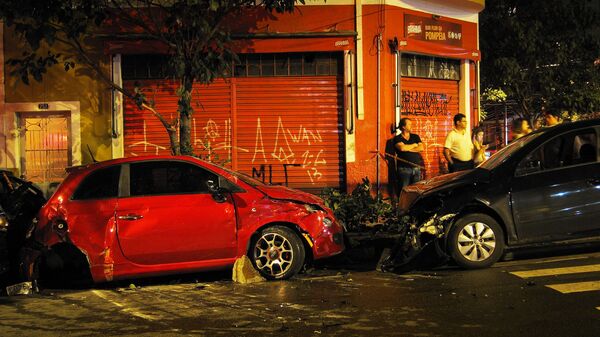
(476, 241)
(277, 253)
(65, 265)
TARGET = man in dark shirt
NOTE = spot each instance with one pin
(409, 161)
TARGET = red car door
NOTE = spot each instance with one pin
(170, 216)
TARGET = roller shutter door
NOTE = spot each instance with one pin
(286, 130)
(431, 104)
(293, 129)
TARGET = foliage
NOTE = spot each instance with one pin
(493, 95)
(360, 210)
(193, 32)
(543, 54)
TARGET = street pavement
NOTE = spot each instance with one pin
(547, 296)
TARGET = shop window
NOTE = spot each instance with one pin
(253, 64)
(282, 62)
(310, 65)
(267, 65)
(249, 65)
(295, 64)
(412, 65)
(323, 65)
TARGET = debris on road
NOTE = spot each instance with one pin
(23, 288)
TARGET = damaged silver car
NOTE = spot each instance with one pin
(542, 190)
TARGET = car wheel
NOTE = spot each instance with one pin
(476, 241)
(277, 253)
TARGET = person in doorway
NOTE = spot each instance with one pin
(458, 148)
(478, 146)
(408, 152)
(520, 128)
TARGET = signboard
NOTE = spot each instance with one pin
(432, 30)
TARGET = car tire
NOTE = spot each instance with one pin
(277, 253)
(476, 241)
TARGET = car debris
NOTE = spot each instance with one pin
(419, 235)
(20, 200)
(23, 288)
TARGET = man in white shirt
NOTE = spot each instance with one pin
(458, 148)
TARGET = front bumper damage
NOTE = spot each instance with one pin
(419, 236)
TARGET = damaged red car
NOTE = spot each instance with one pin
(158, 215)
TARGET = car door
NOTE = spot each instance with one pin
(91, 208)
(170, 216)
(556, 190)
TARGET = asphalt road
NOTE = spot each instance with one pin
(548, 296)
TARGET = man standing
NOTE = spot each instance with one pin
(458, 148)
(409, 161)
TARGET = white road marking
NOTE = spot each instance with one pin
(577, 287)
(557, 271)
(130, 311)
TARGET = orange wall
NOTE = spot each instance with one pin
(389, 21)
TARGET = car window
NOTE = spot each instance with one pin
(168, 177)
(566, 150)
(100, 184)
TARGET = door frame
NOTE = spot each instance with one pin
(22, 116)
(12, 139)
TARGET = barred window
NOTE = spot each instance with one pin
(412, 65)
(136, 67)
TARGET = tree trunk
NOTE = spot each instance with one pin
(185, 117)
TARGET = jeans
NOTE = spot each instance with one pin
(408, 176)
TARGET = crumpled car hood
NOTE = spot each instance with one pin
(446, 180)
(285, 193)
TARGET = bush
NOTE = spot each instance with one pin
(361, 211)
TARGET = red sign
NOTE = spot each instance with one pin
(432, 30)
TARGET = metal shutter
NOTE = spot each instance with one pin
(431, 104)
(293, 125)
(277, 129)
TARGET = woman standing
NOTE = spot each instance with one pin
(478, 146)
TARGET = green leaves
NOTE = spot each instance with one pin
(359, 210)
(542, 54)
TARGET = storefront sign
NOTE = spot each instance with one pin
(432, 30)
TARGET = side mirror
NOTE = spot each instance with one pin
(216, 191)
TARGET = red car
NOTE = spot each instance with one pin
(156, 215)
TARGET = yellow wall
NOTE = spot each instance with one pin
(80, 84)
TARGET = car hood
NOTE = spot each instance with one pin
(285, 193)
(447, 181)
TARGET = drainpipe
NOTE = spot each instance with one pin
(378, 106)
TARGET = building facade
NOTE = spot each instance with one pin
(312, 103)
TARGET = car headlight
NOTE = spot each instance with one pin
(327, 222)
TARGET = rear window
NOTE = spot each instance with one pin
(100, 184)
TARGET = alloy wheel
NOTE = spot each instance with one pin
(273, 254)
(476, 241)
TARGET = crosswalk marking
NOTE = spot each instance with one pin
(557, 271)
(577, 287)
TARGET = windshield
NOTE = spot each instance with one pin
(501, 156)
(245, 178)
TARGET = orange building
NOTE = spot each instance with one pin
(311, 105)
